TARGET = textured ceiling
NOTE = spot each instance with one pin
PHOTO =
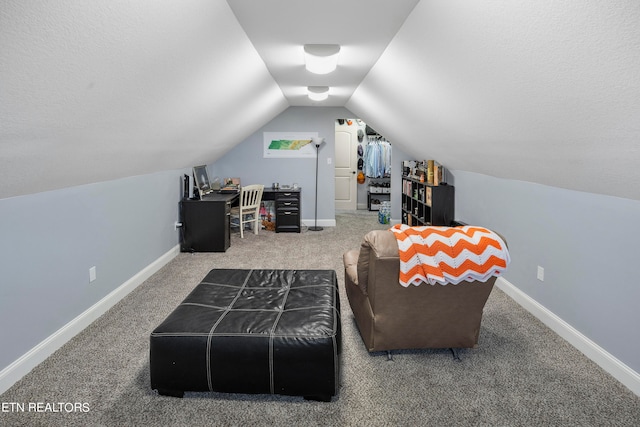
(279, 29)
(93, 91)
(541, 91)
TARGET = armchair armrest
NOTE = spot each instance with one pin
(350, 259)
(377, 245)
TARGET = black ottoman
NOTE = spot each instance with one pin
(252, 331)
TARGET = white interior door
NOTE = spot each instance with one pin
(346, 164)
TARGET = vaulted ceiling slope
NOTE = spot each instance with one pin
(98, 90)
(541, 91)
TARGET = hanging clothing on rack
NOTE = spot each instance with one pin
(377, 158)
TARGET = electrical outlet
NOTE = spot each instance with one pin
(328, 160)
(541, 274)
(92, 274)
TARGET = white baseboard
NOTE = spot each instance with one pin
(22, 366)
(621, 372)
(321, 222)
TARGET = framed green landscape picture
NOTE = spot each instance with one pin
(289, 145)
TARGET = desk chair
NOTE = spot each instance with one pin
(249, 208)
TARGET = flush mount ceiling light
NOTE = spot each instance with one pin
(321, 58)
(318, 93)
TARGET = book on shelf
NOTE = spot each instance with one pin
(430, 164)
(406, 187)
(438, 174)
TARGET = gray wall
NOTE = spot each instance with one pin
(50, 240)
(587, 244)
(246, 159)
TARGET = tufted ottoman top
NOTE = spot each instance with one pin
(252, 331)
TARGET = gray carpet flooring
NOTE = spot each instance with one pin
(522, 374)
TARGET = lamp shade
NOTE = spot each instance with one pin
(321, 58)
(317, 141)
(318, 93)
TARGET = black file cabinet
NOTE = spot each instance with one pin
(287, 205)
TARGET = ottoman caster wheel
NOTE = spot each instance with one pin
(319, 398)
(172, 393)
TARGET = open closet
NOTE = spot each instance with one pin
(377, 170)
(363, 166)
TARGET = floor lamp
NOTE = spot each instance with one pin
(317, 142)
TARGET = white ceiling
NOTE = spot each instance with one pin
(542, 91)
(279, 29)
(93, 91)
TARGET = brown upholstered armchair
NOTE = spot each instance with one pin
(390, 316)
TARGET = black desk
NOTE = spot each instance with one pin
(206, 223)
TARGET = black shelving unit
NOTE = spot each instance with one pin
(425, 204)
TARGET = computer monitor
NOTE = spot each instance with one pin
(202, 179)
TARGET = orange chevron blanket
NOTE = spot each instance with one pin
(449, 254)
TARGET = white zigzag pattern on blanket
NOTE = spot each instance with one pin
(406, 245)
(475, 238)
(441, 257)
